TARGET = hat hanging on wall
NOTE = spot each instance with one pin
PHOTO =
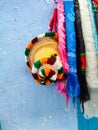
(42, 59)
(46, 55)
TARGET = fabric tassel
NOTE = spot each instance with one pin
(62, 89)
(72, 83)
(81, 56)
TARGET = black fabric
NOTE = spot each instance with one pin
(84, 91)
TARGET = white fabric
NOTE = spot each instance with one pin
(92, 65)
(90, 107)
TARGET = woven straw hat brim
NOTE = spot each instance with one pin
(32, 52)
(45, 47)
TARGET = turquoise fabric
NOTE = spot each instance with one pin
(0, 127)
(95, 35)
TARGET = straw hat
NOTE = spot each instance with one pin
(42, 59)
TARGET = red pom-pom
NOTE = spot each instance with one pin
(96, 1)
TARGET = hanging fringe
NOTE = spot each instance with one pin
(84, 93)
(72, 84)
(61, 88)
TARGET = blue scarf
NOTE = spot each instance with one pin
(72, 84)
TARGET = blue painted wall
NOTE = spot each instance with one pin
(24, 105)
(86, 124)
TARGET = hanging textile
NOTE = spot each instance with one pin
(61, 86)
(81, 56)
(92, 71)
(95, 9)
(72, 84)
(62, 35)
(94, 30)
(96, 16)
(92, 64)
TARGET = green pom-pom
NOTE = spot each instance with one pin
(49, 34)
(37, 64)
(61, 70)
(27, 51)
(53, 56)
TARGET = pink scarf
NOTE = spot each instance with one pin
(62, 35)
(61, 87)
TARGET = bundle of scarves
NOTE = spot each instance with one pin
(68, 54)
(88, 14)
(81, 44)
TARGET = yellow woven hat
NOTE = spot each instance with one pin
(42, 59)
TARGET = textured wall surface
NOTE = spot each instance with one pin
(24, 105)
(86, 124)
